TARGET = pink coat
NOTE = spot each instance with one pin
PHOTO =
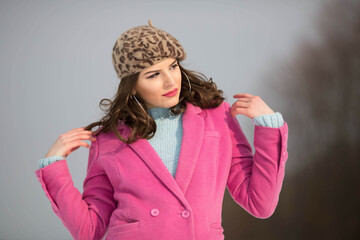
(130, 194)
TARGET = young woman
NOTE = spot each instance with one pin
(165, 151)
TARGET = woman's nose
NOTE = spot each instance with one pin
(169, 80)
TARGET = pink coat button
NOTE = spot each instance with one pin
(154, 212)
(185, 214)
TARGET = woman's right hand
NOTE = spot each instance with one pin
(69, 142)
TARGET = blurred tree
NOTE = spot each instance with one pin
(321, 84)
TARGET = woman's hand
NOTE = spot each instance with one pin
(250, 106)
(69, 142)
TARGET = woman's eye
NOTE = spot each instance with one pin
(152, 76)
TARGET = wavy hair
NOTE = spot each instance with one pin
(123, 107)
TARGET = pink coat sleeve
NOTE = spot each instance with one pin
(255, 181)
(85, 215)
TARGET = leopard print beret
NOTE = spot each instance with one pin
(143, 46)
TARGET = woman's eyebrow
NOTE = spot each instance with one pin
(159, 70)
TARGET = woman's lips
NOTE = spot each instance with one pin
(170, 94)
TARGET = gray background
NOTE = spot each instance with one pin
(55, 67)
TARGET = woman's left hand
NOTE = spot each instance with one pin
(250, 106)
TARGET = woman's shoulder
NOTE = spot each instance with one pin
(108, 141)
(222, 106)
(222, 109)
(216, 114)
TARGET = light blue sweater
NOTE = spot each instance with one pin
(168, 136)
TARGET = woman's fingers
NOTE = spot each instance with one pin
(76, 130)
(85, 135)
(250, 106)
(70, 141)
(74, 145)
(238, 95)
(79, 136)
(239, 110)
(240, 104)
(75, 133)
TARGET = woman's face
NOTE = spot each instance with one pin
(157, 80)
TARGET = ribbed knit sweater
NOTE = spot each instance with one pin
(168, 136)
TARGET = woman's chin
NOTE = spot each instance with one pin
(170, 103)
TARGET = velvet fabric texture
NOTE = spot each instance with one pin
(130, 194)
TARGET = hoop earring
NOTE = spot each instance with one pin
(138, 102)
(187, 79)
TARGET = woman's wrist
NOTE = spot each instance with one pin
(270, 120)
(43, 162)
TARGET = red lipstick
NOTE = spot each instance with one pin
(171, 93)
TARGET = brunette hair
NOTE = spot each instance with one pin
(123, 107)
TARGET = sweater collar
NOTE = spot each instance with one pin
(160, 113)
(189, 108)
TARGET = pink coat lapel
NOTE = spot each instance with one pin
(193, 133)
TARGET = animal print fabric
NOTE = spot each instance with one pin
(143, 46)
